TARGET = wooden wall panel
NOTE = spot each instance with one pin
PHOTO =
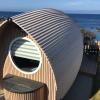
(44, 74)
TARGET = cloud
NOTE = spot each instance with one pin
(74, 3)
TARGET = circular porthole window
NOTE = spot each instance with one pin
(25, 55)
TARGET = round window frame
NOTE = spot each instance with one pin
(15, 65)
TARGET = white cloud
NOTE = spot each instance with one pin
(74, 3)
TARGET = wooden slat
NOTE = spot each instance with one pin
(40, 76)
(60, 44)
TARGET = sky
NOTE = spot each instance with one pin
(65, 5)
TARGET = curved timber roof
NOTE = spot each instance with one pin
(60, 39)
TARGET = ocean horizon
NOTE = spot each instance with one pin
(7, 14)
(89, 22)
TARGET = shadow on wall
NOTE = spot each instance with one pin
(4, 44)
(96, 86)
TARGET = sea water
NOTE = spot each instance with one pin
(90, 22)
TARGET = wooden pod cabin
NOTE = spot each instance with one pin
(44, 46)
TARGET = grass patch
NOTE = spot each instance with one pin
(96, 96)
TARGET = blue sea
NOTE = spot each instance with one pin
(88, 21)
(8, 14)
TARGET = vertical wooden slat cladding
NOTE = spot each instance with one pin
(43, 75)
(59, 41)
(39, 94)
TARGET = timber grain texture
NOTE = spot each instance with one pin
(60, 42)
